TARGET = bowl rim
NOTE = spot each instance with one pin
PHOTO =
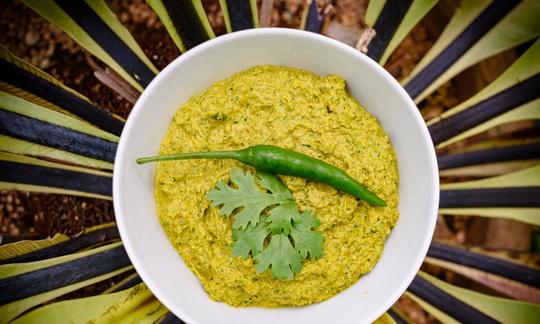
(276, 31)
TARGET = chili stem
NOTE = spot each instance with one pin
(191, 155)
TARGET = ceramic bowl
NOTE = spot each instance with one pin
(158, 263)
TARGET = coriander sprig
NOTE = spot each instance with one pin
(268, 225)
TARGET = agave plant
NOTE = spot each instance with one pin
(55, 140)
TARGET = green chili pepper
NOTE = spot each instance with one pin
(276, 160)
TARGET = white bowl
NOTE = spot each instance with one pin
(158, 263)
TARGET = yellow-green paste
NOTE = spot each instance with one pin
(296, 110)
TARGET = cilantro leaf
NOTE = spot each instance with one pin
(251, 239)
(269, 214)
(281, 256)
(281, 217)
(307, 219)
(248, 196)
(306, 240)
(274, 185)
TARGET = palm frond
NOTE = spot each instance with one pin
(19, 281)
(95, 27)
(392, 21)
(170, 318)
(493, 265)
(22, 147)
(24, 246)
(28, 284)
(513, 195)
(10, 311)
(239, 14)
(488, 169)
(22, 79)
(24, 108)
(385, 318)
(126, 283)
(478, 30)
(430, 309)
(526, 178)
(58, 246)
(65, 270)
(37, 131)
(489, 143)
(500, 154)
(398, 316)
(472, 120)
(496, 197)
(501, 284)
(467, 306)
(185, 21)
(19, 172)
(133, 305)
(527, 111)
(31, 129)
(441, 302)
(511, 97)
(63, 311)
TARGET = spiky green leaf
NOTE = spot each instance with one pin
(185, 21)
(30, 174)
(134, 305)
(525, 178)
(506, 286)
(517, 27)
(378, 14)
(239, 14)
(501, 309)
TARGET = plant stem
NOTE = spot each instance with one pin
(235, 155)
